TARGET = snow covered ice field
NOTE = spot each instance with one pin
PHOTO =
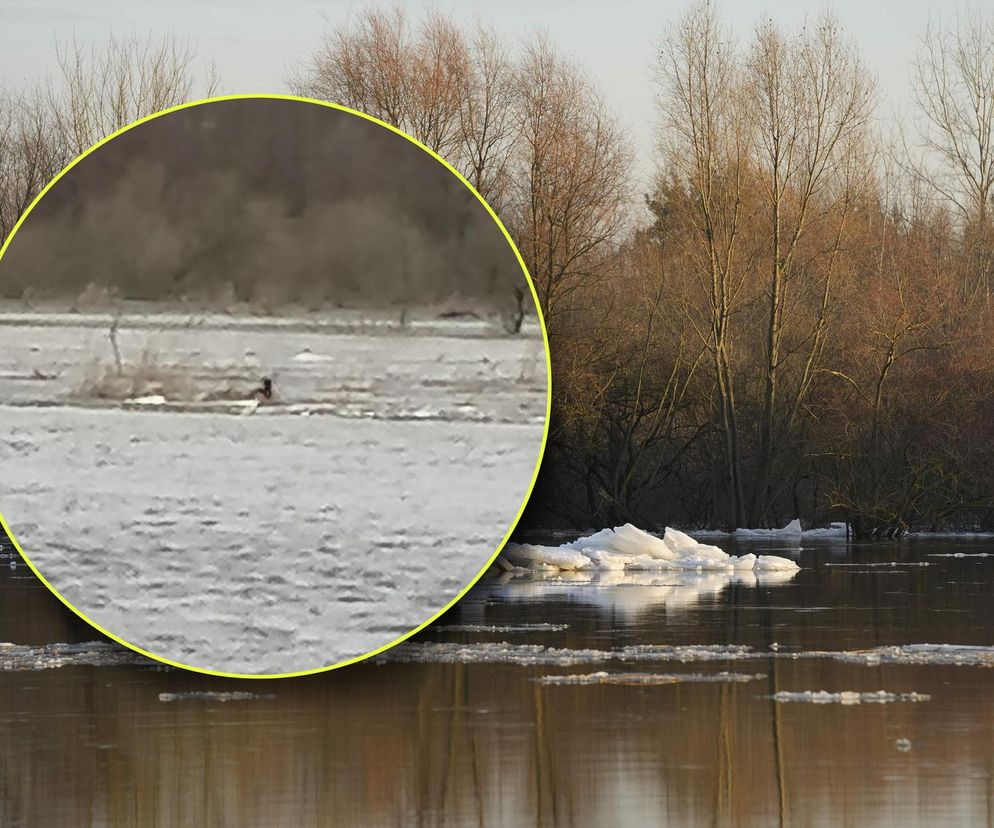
(323, 526)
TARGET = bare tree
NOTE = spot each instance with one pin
(97, 91)
(532, 135)
(414, 79)
(487, 123)
(954, 93)
(30, 153)
(103, 88)
(453, 90)
(811, 98)
(892, 403)
(705, 143)
(570, 178)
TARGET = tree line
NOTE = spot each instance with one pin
(795, 319)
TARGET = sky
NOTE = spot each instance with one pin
(256, 44)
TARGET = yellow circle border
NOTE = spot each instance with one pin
(548, 384)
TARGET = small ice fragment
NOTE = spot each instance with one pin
(903, 745)
(306, 356)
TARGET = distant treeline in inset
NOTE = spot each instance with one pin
(263, 201)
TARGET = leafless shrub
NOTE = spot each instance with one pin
(147, 376)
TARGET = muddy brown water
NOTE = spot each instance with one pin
(108, 739)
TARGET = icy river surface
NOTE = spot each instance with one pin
(856, 691)
(277, 538)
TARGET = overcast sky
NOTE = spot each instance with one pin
(256, 43)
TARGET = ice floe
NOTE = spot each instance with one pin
(504, 652)
(791, 530)
(307, 356)
(21, 657)
(966, 535)
(848, 697)
(500, 628)
(957, 654)
(148, 399)
(837, 529)
(649, 678)
(883, 564)
(961, 555)
(209, 695)
(527, 654)
(629, 548)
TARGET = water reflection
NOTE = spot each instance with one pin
(488, 744)
(623, 591)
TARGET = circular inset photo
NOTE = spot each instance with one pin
(274, 386)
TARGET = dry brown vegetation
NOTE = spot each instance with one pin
(128, 380)
(799, 325)
(799, 322)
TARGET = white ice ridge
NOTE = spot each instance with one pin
(627, 547)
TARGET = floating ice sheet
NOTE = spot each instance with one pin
(529, 654)
(882, 564)
(848, 697)
(957, 654)
(649, 678)
(500, 628)
(961, 555)
(19, 657)
(792, 531)
(533, 654)
(208, 695)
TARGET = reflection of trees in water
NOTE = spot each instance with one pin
(466, 744)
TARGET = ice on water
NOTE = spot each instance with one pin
(848, 697)
(630, 548)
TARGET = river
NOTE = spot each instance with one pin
(465, 725)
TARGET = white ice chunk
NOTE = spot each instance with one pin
(677, 540)
(533, 556)
(628, 547)
(791, 530)
(838, 529)
(306, 356)
(766, 563)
